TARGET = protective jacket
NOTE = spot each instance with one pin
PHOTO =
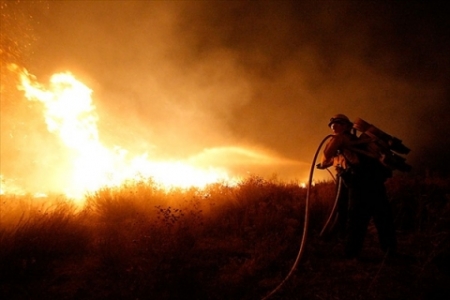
(348, 153)
(338, 152)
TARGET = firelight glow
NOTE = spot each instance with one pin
(70, 113)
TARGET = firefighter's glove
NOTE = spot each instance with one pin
(320, 167)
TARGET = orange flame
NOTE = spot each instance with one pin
(70, 114)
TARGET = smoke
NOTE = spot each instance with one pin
(175, 78)
(380, 61)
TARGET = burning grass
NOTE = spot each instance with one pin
(139, 241)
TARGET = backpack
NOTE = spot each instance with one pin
(387, 148)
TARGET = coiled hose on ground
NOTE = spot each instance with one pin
(305, 223)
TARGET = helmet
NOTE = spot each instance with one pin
(339, 118)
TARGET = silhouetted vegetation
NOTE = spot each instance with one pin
(139, 241)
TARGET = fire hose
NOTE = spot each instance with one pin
(333, 210)
(306, 220)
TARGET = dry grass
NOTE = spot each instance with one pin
(138, 241)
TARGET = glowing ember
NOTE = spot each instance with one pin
(70, 114)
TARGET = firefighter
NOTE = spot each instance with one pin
(363, 176)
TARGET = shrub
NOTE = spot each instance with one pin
(139, 240)
(39, 237)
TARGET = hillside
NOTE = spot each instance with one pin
(141, 242)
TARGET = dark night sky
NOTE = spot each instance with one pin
(182, 76)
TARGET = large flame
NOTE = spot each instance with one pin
(70, 113)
